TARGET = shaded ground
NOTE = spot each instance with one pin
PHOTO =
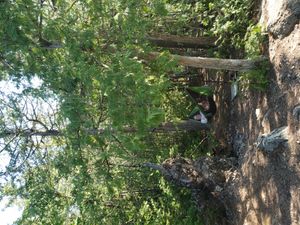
(267, 190)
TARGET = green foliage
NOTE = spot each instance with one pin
(176, 211)
(254, 43)
(176, 105)
(227, 20)
(256, 79)
(230, 20)
(203, 90)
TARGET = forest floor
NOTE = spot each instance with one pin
(267, 189)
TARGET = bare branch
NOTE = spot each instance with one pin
(39, 122)
(8, 143)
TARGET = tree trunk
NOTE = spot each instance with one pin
(30, 133)
(213, 63)
(174, 41)
(200, 52)
(185, 125)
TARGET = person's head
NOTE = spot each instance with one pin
(204, 104)
(209, 106)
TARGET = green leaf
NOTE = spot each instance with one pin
(202, 90)
(155, 116)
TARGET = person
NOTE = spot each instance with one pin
(206, 109)
(200, 117)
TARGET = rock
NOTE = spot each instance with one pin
(296, 113)
(280, 16)
(265, 123)
(238, 144)
(270, 142)
(287, 20)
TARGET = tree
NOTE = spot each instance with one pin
(66, 173)
(213, 63)
(60, 175)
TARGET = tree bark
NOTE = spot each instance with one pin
(174, 41)
(213, 63)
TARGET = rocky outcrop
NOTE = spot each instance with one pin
(282, 16)
(269, 143)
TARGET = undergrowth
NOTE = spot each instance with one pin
(255, 42)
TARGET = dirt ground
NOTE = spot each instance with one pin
(267, 187)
